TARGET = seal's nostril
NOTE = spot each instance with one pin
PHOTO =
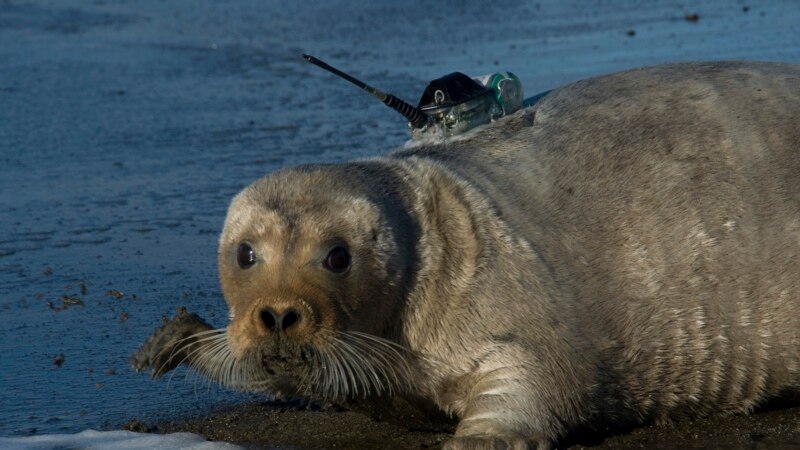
(279, 322)
(289, 318)
(269, 318)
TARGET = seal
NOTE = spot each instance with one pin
(624, 252)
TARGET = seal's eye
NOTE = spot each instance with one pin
(338, 260)
(245, 256)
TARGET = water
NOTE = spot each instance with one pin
(126, 127)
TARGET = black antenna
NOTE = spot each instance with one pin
(416, 118)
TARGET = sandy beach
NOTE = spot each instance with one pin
(269, 425)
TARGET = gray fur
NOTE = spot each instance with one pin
(626, 252)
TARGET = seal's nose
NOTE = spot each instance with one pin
(279, 322)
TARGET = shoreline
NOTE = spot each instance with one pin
(295, 425)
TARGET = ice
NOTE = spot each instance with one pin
(111, 440)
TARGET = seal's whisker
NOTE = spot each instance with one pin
(329, 373)
(200, 334)
(320, 375)
(355, 363)
(372, 337)
(202, 357)
(217, 364)
(224, 368)
(235, 374)
(316, 377)
(386, 359)
(175, 352)
(351, 364)
(205, 359)
(397, 349)
(362, 367)
(203, 351)
(351, 388)
(362, 350)
(313, 376)
(183, 345)
(338, 372)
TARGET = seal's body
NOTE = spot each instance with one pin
(627, 252)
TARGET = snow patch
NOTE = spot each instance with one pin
(102, 440)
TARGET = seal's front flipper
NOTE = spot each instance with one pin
(506, 407)
(499, 423)
(495, 442)
(172, 344)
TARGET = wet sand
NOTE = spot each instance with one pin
(271, 425)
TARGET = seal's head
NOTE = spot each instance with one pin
(313, 263)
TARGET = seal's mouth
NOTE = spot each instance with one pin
(356, 364)
(347, 364)
(285, 359)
